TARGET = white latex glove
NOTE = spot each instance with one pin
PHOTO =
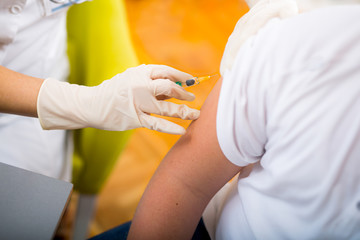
(121, 103)
(261, 11)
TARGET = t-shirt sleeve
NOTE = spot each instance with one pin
(241, 114)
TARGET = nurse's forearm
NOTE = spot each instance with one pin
(18, 93)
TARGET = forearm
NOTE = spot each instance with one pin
(123, 102)
(18, 93)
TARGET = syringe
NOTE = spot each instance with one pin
(194, 81)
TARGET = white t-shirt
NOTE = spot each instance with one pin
(33, 42)
(291, 107)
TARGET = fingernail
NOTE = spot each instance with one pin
(195, 115)
(182, 132)
(179, 131)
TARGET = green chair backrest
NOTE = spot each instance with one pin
(99, 47)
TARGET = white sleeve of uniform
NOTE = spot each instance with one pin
(241, 111)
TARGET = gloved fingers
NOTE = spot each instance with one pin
(170, 109)
(160, 124)
(166, 72)
(164, 87)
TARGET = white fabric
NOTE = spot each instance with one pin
(292, 108)
(260, 13)
(305, 5)
(33, 42)
(121, 103)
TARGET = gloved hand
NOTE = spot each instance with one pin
(121, 103)
(261, 11)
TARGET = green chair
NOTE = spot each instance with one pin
(99, 47)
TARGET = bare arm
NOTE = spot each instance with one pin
(18, 93)
(188, 177)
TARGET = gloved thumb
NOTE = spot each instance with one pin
(160, 124)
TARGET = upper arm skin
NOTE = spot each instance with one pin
(187, 178)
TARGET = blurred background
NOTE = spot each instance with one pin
(187, 35)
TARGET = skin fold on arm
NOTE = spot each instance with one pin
(186, 180)
(18, 93)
